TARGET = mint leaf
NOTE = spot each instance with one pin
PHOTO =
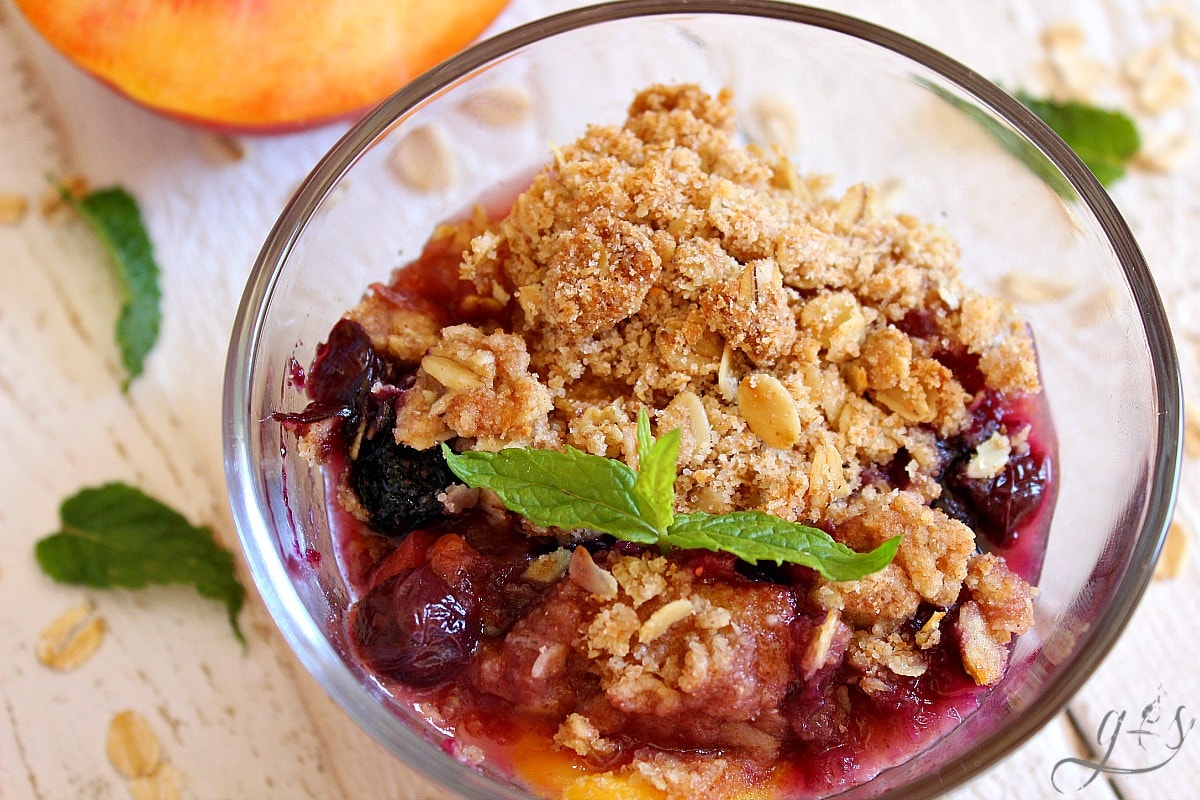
(655, 486)
(1104, 139)
(754, 536)
(115, 535)
(114, 216)
(566, 490)
(578, 490)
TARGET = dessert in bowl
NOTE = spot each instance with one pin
(825, 359)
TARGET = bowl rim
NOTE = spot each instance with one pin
(247, 493)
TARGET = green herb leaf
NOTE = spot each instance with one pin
(754, 536)
(1105, 140)
(566, 490)
(655, 486)
(114, 216)
(115, 535)
(578, 490)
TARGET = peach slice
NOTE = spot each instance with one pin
(258, 65)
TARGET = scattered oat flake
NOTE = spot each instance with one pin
(71, 639)
(889, 190)
(1022, 287)
(1157, 82)
(502, 106)
(1191, 430)
(132, 747)
(166, 783)
(1066, 35)
(223, 149)
(1174, 553)
(1163, 152)
(423, 160)
(1185, 35)
(1096, 307)
(775, 122)
(1068, 72)
(13, 208)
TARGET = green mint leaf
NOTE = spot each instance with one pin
(115, 535)
(565, 490)
(655, 486)
(754, 536)
(578, 490)
(114, 216)
(1105, 140)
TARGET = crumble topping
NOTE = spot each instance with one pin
(804, 344)
(651, 260)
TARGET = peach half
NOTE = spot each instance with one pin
(258, 65)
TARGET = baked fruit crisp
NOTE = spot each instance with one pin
(822, 361)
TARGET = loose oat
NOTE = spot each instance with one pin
(166, 783)
(1022, 287)
(223, 149)
(548, 568)
(13, 208)
(454, 375)
(423, 160)
(1185, 34)
(990, 458)
(132, 747)
(1097, 307)
(664, 618)
(769, 410)
(1163, 152)
(1068, 73)
(817, 652)
(727, 381)
(501, 106)
(930, 635)
(773, 121)
(686, 412)
(588, 575)
(71, 639)
(1175, 551)
(1156, 80)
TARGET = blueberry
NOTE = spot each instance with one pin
(1000, 504)
(398, 485)
(344, 370)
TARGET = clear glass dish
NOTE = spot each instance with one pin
(873, 107)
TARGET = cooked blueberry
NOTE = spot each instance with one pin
(342, 374)
(415, 629)
(1001, 503)
(398, 485)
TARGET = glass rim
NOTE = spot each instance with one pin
(247, 493)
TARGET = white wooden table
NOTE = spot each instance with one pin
(251, 723)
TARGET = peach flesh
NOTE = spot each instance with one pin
(258, 65)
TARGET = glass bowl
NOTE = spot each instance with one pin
(872, 106)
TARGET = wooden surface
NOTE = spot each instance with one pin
(251, 723)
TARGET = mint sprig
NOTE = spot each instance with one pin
(114, 217)
(1104, 139)
(116, 535)
(574, 489)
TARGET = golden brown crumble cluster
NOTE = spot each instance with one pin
(658, 265)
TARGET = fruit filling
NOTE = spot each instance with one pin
(822, 362)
